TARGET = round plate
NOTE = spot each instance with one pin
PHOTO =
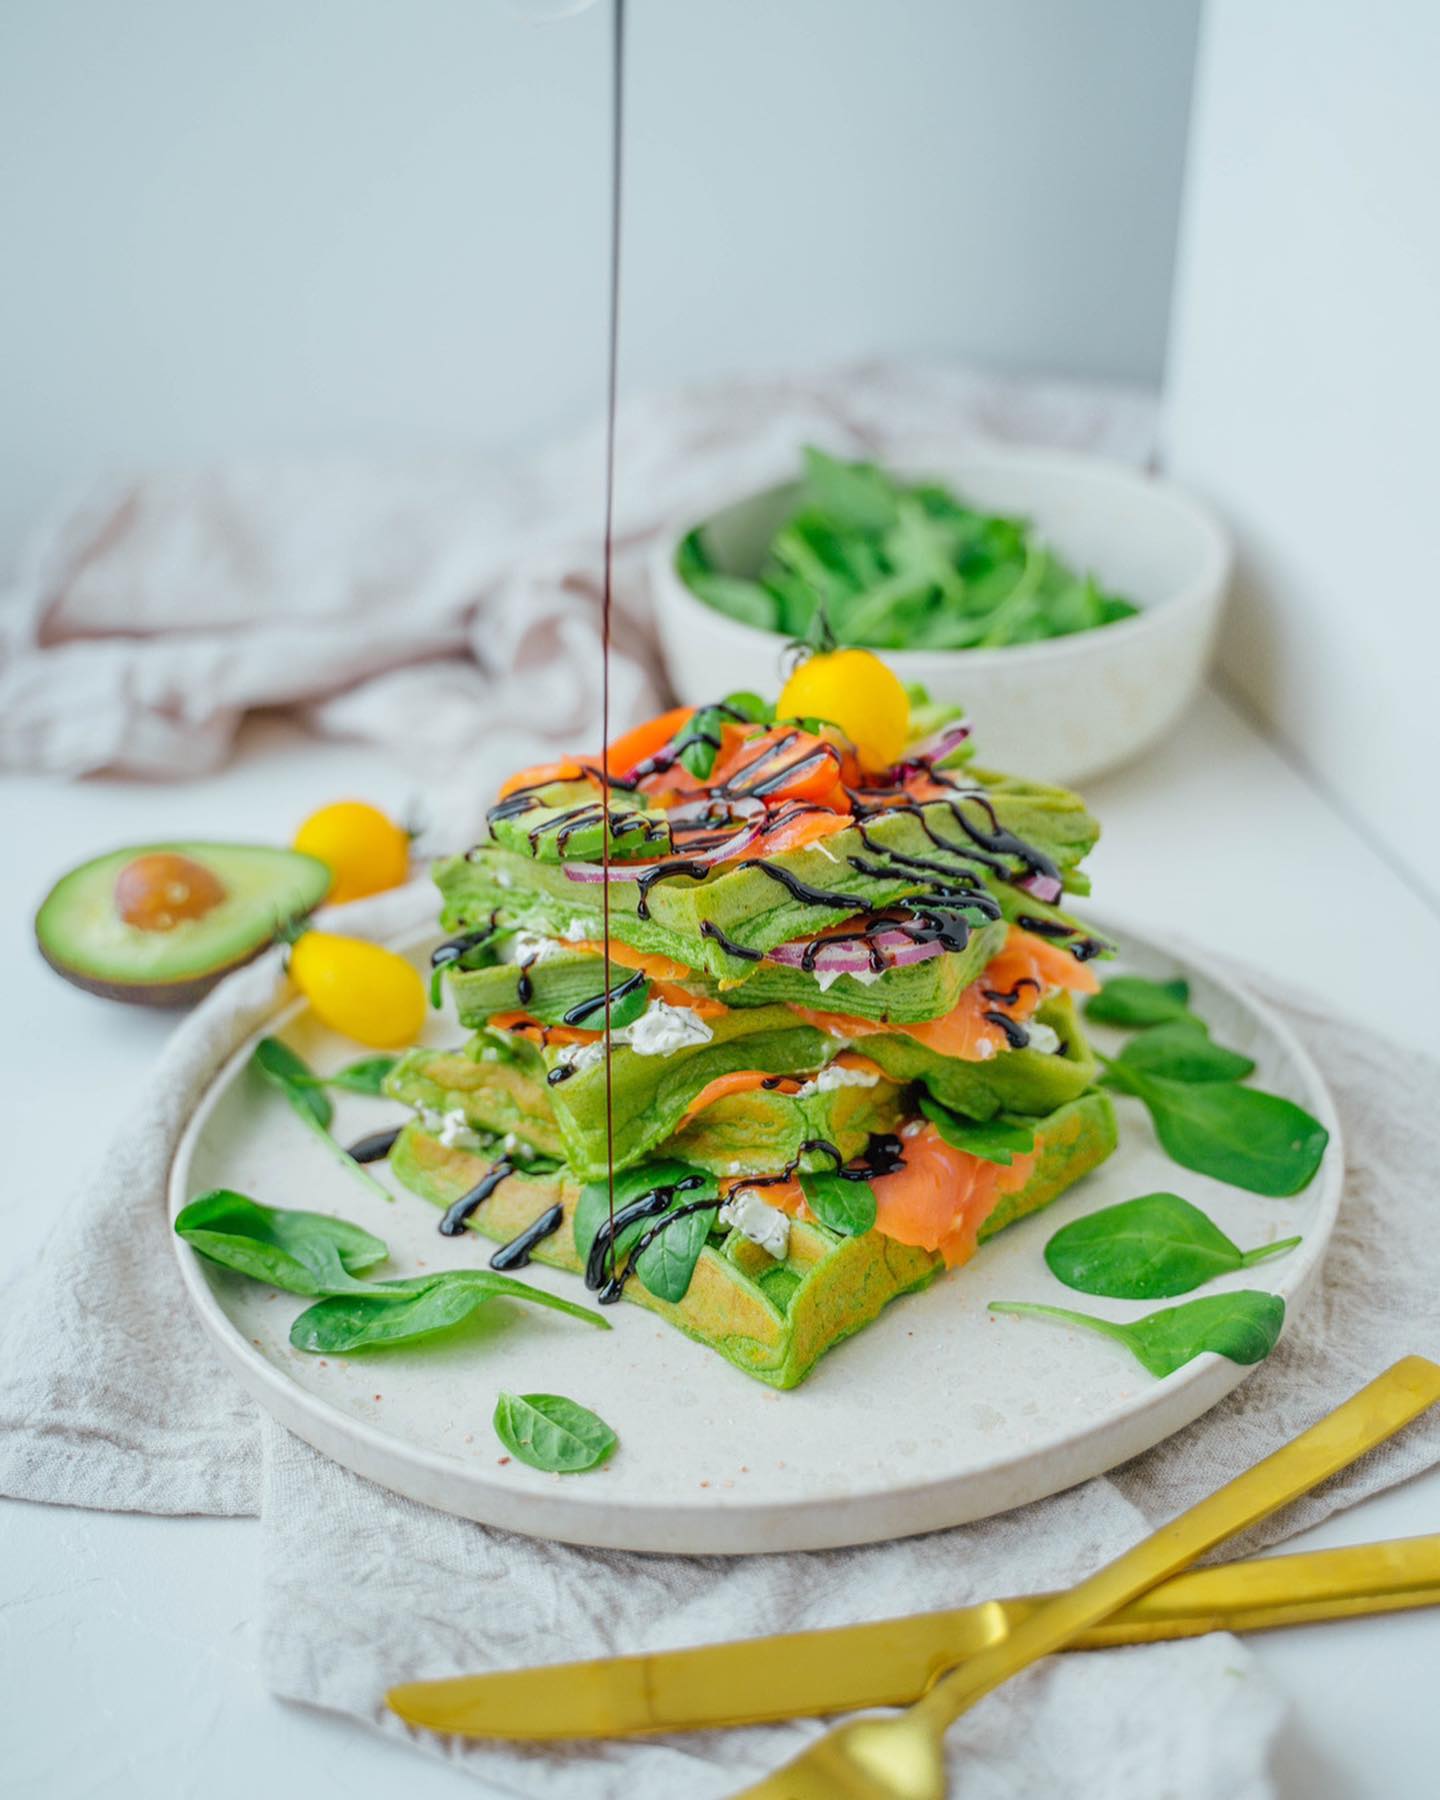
(938, 1413)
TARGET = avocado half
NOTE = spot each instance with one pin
(83, 936)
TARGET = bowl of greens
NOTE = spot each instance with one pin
(1070, 604)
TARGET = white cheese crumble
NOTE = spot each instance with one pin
(1043, 1038)
(757, 1220)
(580, 1057)
(452, 1128)
(574, 932)
(837, 1076)
(517, 1146)
(825, 979)
(661, 1030)
(527, 948)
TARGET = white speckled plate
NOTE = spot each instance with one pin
(938, 1413)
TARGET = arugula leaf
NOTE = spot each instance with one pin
(1149, 1248)
(1237, 1134)
(1183, 1051)
(293, 1077)
(301, 1252)
(1243, 1326)
(552, 1433)
(364, 1077)
(1132, 1000)
(846, 1207)
(992, 1140)
(372, 1315)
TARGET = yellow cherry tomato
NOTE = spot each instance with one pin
(857, 692)
(359, 989)
(364, 851)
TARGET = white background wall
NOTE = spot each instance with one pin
(1305, 389)
(248, 224)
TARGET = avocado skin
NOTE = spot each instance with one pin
(67, 916)
(772, 1320)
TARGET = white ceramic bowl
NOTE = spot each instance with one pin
(1061, 710)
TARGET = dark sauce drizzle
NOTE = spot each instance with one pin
(453, 1223)
(709, 929)
(646, 1206)
(1009, 996)
(1015, 1033)
(597, 1001)
(374, 1147)
(516, 1254)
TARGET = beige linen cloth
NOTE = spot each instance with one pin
(448, 612)
(110, 1397)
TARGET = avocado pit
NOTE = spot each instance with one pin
(159, 891)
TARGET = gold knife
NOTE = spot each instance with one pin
(892, 1661)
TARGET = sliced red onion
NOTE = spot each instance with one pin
(1044, 887)
(738, 806)
(852, 957)
(629, 871)
(935, 748)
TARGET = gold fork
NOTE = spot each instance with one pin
(903, 1758)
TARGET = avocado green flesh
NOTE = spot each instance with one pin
(762, 1129)
(772, 1319)
(82, 935)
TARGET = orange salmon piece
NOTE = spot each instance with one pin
(964, 1033)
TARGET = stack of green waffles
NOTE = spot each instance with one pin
(844, 1046)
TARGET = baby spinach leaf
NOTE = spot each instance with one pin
(1243, 1326)
(1182, 1051)
(1149, 1248)
(364, 1077)
(846, 1207)
(666, 1264)
(291, 1076)
(301, 1252)
(745, 600)
(552, 1433)
(1133, 1000)
(1237, 1134)
(376, 1314)
(992, 1140)
(593, 1207)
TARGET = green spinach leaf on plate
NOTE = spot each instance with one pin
(1244, 1325)
(549, 1432)
(1149, 1248)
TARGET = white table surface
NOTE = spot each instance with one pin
(129, 1652)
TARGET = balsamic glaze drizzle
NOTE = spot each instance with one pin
(614, 1287)
(1015, 1033)
(697, 871)
(645, 1206)
(453, 1223)
(597, 1001)
(709, 929)
(516, 1254)
(374, 1147)
(1010, 996)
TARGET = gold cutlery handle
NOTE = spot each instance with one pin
(1374, 1414)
